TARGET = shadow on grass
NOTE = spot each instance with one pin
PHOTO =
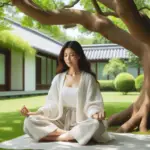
(11, 125)
(131, 94)
(20, 97)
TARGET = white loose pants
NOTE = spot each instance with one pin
(38, 126)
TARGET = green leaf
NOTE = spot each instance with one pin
(13, 42)
(114, 67)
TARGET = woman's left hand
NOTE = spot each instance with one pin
(99, 116)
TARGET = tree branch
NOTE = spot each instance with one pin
(108, 30)
(112, 5)
(110, 14)
(92, 22)
(109, 3)
(71, 5)
(97, 8)
(56, 17)
(136, 23)
(144, 8)
(69, 26)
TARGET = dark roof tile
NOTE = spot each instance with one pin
(105, 51)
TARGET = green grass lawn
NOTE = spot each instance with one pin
(11, 122)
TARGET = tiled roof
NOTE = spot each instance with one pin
(105, 51)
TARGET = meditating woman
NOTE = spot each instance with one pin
(74, 109)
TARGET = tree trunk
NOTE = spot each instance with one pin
(132, 118)
(138, 114)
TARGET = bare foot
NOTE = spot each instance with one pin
(66, 137)
(60, 131)
(57, 132)
(63, 136)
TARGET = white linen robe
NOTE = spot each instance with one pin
(89, 102)
(89, 99)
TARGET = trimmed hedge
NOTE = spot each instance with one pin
(107, 85)
(124, 82)
(139, 82)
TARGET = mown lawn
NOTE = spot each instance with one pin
(11, 121)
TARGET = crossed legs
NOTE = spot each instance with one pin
(57, 135)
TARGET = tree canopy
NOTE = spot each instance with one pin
(56, 31)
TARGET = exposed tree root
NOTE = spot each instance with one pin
(131, 118)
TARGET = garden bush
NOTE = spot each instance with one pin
(107, 85)
(124, 82)
(139, 82)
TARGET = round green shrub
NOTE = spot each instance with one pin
(124, 82)
(107, 85)
(139, 82)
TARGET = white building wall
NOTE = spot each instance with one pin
(37, 41)
(133, 71)
(30, 72)
(2, 69)
(16, 70)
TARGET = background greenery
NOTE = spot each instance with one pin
(58, 32)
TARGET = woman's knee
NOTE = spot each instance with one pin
(27, 122)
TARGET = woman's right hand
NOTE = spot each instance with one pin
(25, 111)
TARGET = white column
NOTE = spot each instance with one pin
(30, 72)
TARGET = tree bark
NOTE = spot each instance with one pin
(138, 28)
(92, 22)
(139, 115)
(121, 117)
(128, 12)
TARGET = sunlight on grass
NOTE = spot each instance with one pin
(12, 125)
(17, 121)
(6, 128)
(2, 122)
(119, 97)
(15, 104)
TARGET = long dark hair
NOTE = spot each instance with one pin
(83, 63)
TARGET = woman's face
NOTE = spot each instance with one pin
(70, 57)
